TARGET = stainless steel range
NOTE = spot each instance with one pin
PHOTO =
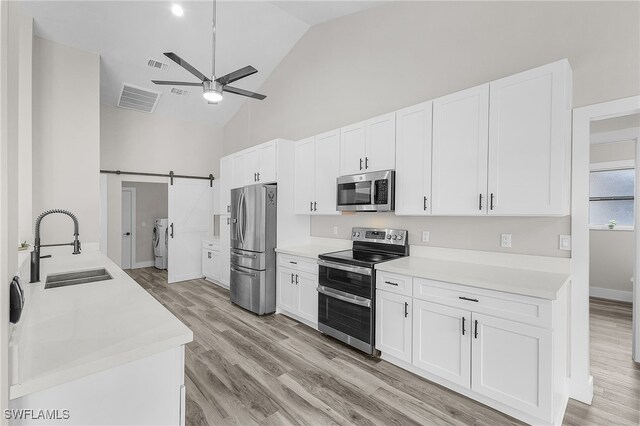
(346, 290)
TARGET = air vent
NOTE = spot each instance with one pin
(179, 92)
(137, 98)
(157, 65)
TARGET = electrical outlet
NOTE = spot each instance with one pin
(505, 240)
(564, 242)
(425, 236)
(335, 230)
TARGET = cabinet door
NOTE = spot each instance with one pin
(225, 246)
(305, 175)
(287, 290)
(442, 341)
(216, 265)
(460, 133)
(393, 325)
(413, 160)
(327, 171)
(225, 185)
(207, 263)
(352, 149)
(238, 170)
(380, 153)
(307, 296)
(512, 364)
(251, 166)
(267, 162)
(529, 133)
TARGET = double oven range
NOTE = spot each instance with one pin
(347, 285)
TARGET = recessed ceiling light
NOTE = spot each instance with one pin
(177, 10)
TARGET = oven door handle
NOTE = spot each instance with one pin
(345, 297)
(343, 267)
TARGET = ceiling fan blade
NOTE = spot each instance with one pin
(184, 64)
(236, 75)
(243, 92)
(175, 83)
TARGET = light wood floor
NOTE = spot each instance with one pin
(245, 370)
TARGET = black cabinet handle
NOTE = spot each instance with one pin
(291, 278)
(228, 208)
(315, 206)
(406, 309)
(366, 162)
(258, 174)
(391, 283)
(491, 202)
(463, 329)
(310, 206)
(171, 231)
(424, 203)
(297, 279)
(293, 263)
(254, 177)
(480, 203)
(228, 220)
(467, 298)
(476, 330)
(361, 164)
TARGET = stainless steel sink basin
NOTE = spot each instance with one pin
(77, 277)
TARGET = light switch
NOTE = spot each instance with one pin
(505, 240)
(565, 242)
(425, 236)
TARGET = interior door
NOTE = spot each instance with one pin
(327, 171)
(190, 222)
(127, 229)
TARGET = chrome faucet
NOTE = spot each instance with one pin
(35, 254)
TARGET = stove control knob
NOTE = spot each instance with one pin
(356, 234)
(395, 237)
(399, 237)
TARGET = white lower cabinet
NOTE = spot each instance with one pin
(450, 327)
(297, 284)
(485, 344)
(393, 335)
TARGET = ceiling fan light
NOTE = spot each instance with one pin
(212, 95)
(177, 10)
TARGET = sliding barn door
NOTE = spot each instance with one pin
(190, 222)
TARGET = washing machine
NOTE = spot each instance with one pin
(161, 243)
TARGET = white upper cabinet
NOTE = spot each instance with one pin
(368, 146)
(267, 162)
(353, 148)
(316, 169)
(413, 160)
(238, 177)
(529, 142)
(460, 140)
(258, 164)
(327, 170)
(380, 153)
(305, 175)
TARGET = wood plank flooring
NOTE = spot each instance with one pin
(242, 369)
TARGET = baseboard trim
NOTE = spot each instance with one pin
(147, 264)
(607, 293)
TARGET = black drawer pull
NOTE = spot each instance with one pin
(466, 298)
(476, 330)
(406, 309)
(391, 283)
(293, 263)
(463, 329)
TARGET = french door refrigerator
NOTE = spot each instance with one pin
(253, 243)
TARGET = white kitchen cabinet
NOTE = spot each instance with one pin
(226, 176)
(413, 160)
(267, 162)
(529, 142)
(258, 164)
(238, 178)
(211, 264)
(316, 170)
(225, 253)
(393, 324)
(296, 288)
(460, 140)
(368, 146)
(512, 364)
(442, 341)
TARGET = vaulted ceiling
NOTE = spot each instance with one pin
(126, 34)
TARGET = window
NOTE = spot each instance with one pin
(611, 197)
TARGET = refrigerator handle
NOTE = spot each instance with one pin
(243, 207)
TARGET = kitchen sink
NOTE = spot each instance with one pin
(77, 277)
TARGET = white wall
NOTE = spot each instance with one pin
(66, 140)
(140, 142)
(397, 55)
(151, 204)
(611, 252)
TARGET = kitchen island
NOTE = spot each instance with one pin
(106, 351)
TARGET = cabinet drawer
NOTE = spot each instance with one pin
(524, 309)
(211, 244)
(394, 283)
(301, 264)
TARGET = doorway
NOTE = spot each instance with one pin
(128, 227)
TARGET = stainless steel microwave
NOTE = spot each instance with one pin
(367, 192)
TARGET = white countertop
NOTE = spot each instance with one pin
(70, 332)
(521, 281)
(310, 251)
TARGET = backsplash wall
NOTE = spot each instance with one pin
(533, 236)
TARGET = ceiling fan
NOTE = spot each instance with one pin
(212, 87)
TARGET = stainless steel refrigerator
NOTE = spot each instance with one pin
(253, 243)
